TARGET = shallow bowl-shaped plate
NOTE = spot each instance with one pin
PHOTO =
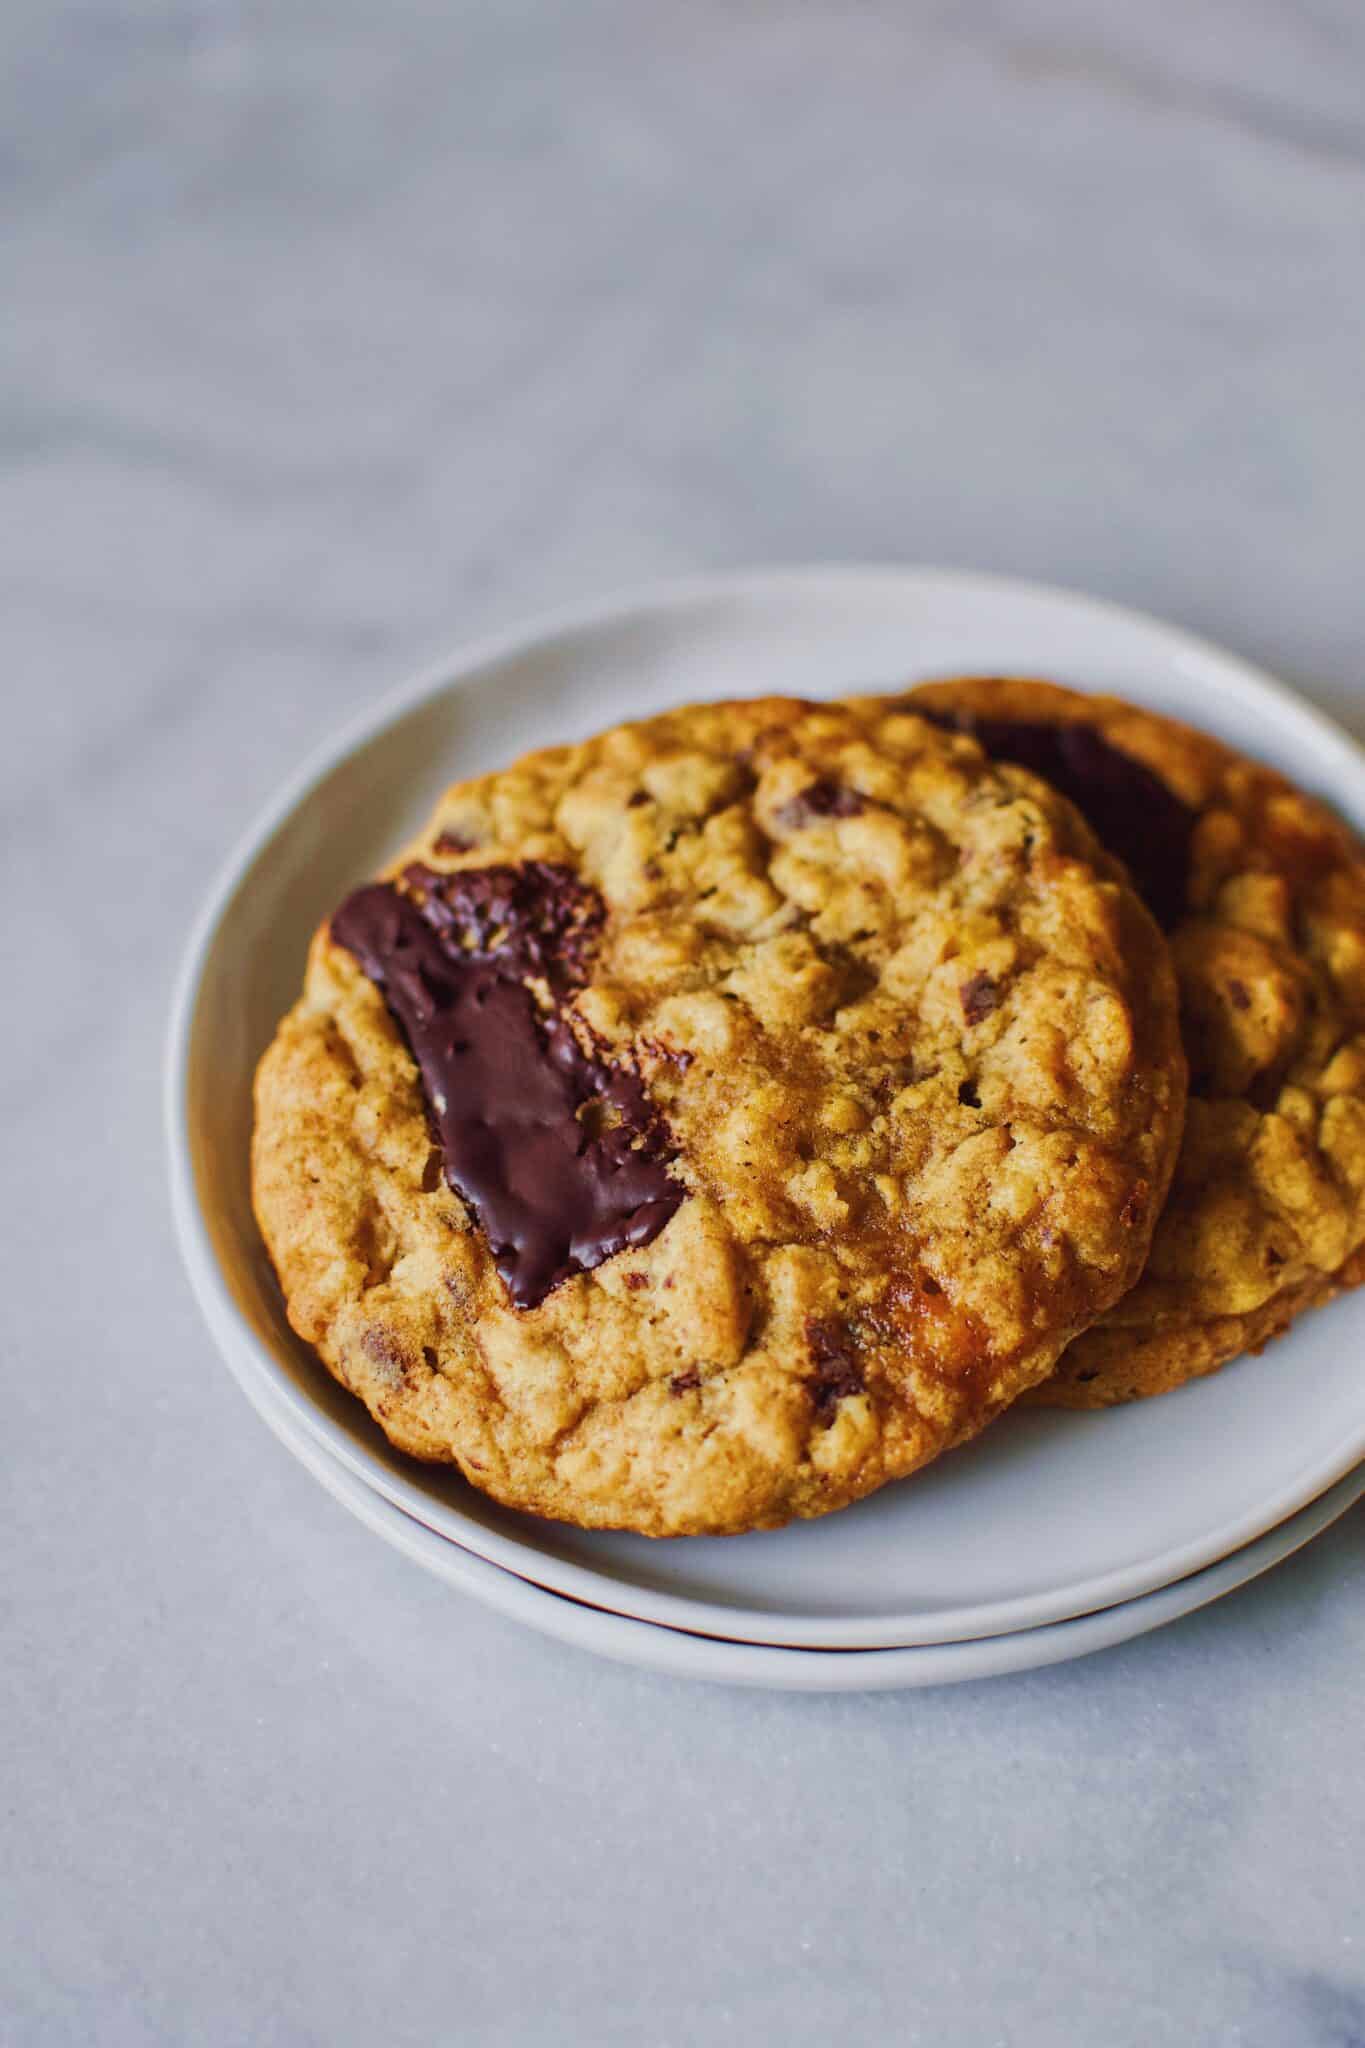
(1046, 1516)
(681, 1654)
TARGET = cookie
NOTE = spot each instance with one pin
(1262, 892)
(700, 1126)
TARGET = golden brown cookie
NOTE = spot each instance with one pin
(708, 1123)
(1262, 892)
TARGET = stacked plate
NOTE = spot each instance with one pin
(1052, 1535)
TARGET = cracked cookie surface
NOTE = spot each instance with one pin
(1262, 892)
(702, 1125)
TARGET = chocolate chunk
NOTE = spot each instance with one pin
(454, 842)
(822, 799)
(560, 1155)
(979, 995)
(674, 1055)
(838, 1369)
(532, 919)
(1241, 995)
(684, 1382)
(1129, 809)
(385, 1351)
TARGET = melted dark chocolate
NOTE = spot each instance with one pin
(979, 995)
(1129, 809)
(560, 1155)
(838, 1369)
(822, 799)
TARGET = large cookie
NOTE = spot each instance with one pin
(1262, 891)
(706, 1124)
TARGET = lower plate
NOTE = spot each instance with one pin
(679, 1654)
(1048, 1516)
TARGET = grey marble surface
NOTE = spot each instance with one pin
(333, 334)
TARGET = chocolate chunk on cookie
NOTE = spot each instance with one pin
(560, 1155)
(1129, 808)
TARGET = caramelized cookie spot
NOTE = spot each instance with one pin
(922, 1317)
(555, 1190)
(979, 995)
(823, 799)
(838, 1369)
(1129, 809)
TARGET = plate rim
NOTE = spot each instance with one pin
(683, 1653)
(250, 1359)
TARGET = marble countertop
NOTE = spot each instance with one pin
(333, 334)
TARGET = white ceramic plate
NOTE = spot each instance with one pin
(683, 1655)
(1047, 1516)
